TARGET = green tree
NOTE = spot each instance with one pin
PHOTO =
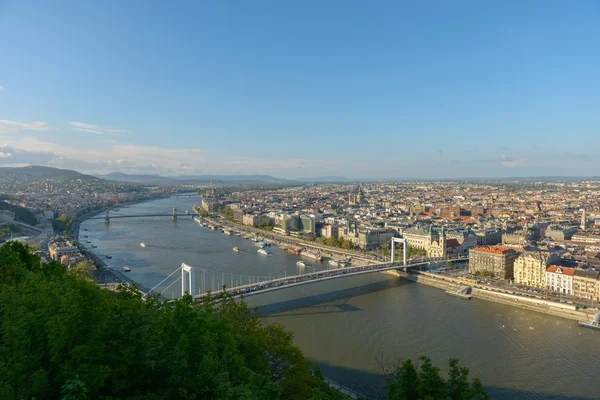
(423, 382)
(64, 337)
(228, 213)
(405, 385)
(431, 385)
(458, 380)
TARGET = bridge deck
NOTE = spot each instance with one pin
(297, 280)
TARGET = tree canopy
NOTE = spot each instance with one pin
(65, 337)
(424, 382)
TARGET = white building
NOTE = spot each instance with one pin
(560, 279)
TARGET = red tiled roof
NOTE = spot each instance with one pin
(564, 270)
(495, 250)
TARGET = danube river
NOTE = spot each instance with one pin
(345, 325)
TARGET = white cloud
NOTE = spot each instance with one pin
(7, 126)
(1, 88)
(95, 129)
(5, 155)
(129, 158)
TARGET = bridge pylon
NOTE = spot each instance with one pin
(187, 271)
(107, 217)
(174, 214)
(404, 245)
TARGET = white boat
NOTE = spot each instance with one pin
(301, 264)
(142, 244)
(261, 245)
(126, 269)
(310, 254)
(463, 293)
(236, 249)
(333, 263)
(594, 324)
(228, 233)
(263, 252)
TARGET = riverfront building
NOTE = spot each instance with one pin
(494, 261)
(418, 238)
(60, 247)
(560, 279)
(585, 284)
(530, 268)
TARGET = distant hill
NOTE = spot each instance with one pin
(324, 179)
(38, 172)
(190, 179)
(136, 178)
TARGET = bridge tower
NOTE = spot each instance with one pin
(404, 246)
(174, 214)
(187, 271)
(107, 217)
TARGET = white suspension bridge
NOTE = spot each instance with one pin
(247, 285)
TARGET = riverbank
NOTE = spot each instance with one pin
(106, 274)
(283, 241)
(568, 311)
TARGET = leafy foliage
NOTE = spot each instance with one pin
(423, 382)
(64, 337)
(62, 223)
(336, 242)
(21, 214)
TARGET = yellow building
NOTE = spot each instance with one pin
(530, 268)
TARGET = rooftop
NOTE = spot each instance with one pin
(561, 270)
(495, 250)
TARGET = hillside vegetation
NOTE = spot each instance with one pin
(64, 337)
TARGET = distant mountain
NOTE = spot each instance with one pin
(135, 178)
(322, 179)
(38, 172)
(190, 179)
(235, 178)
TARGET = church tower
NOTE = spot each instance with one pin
(443, 242)
(583, 225)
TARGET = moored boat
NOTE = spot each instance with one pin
(263, 252)
(594, 324)
(310, 254)
(463, 293)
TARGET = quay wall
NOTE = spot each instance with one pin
(483, 292)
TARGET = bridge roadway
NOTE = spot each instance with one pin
(111, 216)
(297, 280)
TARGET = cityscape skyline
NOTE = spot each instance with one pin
(397, 91)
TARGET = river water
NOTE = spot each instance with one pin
(346, 325)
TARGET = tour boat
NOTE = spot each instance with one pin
(142, 244)
(263, 252)
(310, 254)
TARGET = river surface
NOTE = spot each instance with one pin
(346, 325)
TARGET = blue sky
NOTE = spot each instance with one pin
(295, 89)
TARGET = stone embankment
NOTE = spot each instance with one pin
(502, 296)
